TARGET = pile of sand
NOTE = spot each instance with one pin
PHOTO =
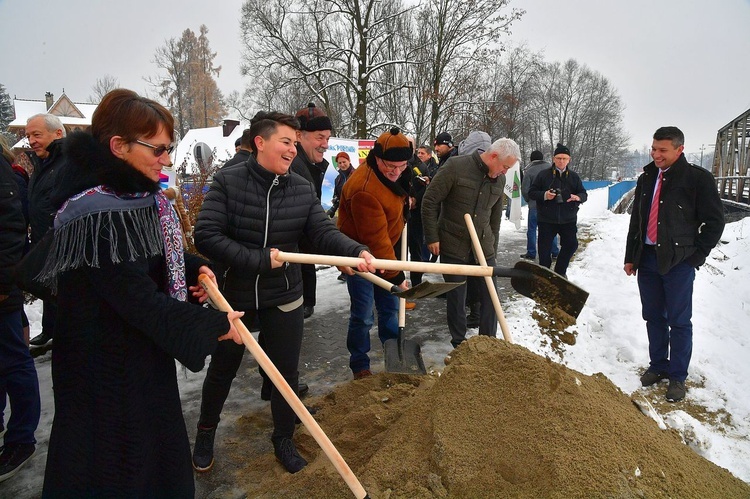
(500, 422)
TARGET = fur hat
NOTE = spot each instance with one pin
(393, 146)
(444, 138)
(343, 154)
(561, 149)
(537, 156)
(313, 119)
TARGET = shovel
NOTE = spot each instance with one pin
(424, 289)
(402, 355)
(551, 291)
(278, 380)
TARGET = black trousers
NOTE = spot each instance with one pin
(456, 304)
(309, 283)
(282, 342)
(568, 244)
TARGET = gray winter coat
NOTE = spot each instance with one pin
(462, 186)
(529, 174)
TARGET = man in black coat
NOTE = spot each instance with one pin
(312, 142)
(18, 379)
(677, 219)
(45, 133)
(558, 192)
(243, 151)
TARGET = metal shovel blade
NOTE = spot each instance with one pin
(550, 290)
(426, 289)
(403, 356)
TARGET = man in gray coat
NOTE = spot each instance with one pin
(529, 174)
(468, 184)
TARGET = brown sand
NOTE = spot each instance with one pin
(500, 422)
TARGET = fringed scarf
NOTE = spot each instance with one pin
(91, 218)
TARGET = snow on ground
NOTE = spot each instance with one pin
(611, 335)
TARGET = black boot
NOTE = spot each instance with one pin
(472, 320)
(203, 453)
(287, 454)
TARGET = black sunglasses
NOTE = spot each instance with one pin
(158, 150)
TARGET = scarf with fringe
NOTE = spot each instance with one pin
(88, 219)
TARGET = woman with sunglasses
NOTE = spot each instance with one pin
(120, 275)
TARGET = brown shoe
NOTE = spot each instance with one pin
(362, 374)
(410, 305)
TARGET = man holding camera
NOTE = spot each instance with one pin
(558, 192)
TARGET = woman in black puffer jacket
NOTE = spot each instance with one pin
(253, 210)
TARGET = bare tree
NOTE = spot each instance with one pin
(462, 43)
(337, 50)
(103, 86)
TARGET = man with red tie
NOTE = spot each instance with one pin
(677, 219)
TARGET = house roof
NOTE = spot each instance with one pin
(72, 114)
(213, 137)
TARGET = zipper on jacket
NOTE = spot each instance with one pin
(274, 183)
(224, 284)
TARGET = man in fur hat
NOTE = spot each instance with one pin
(373, 203)
(312, 142)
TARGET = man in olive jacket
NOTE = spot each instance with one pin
(467, 184)
(666, 243)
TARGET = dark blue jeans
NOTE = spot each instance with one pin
(18, 380)
(568, 245)
(531, 236)
(363, 295)
(667, 306)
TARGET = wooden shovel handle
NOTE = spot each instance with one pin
(479, 255)
(378, 263)
(286, 391)
(378, 281)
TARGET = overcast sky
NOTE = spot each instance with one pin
(673, 62)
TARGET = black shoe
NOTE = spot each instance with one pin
(40, 340)
(554, 257)
(526, 256)
(309, 309)
(676, 391)
(341, 277)
(12, 457)
(287, 455)
(650, 377)
(203, 453)
(265, 390)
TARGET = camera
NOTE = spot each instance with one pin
(558, 196)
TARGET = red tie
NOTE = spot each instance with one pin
(653, 215)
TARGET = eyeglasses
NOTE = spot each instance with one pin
(390, 166)
(158, 150)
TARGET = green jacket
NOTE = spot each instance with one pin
(462, 186)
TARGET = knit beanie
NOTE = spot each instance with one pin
(313, 119)
(444, 138)
(393, 146)
(537, 156)
(561, 149)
